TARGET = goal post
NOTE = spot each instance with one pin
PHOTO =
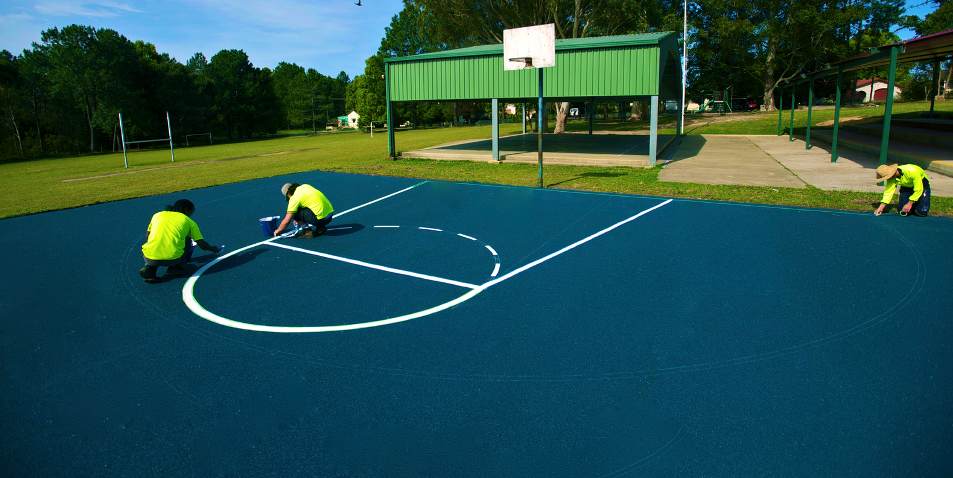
(122, 135)
(192, 135)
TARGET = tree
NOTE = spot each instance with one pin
(366, 93)
(88, 66)
(244, 101)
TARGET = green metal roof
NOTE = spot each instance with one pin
(615, 66)
(641, 39)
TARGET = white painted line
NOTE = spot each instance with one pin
(355, 208)
(386, 227)
(571, 246)
(467, 237)
(188, 290)
(194, 306)
(496, 270)
(375, 266)
(340, 228)
(491, 250)
(429, 229)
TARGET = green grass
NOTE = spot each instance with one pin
(42, 185)
(767, 122)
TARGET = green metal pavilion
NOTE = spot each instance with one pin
(589, 69)
(933, 48)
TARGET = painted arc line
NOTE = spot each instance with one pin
(429, 229)
(492, 251)
(375, 266)
(496, 270)
(188, 290)
(197, 308)
(467, 237)
(386, 227)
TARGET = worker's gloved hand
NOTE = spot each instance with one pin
(906, 208)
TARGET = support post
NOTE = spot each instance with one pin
(122, 136)
(590, 106)
(837, 100)
(168, 124)
(524, 117)
(793, 107)
(391, 147)
(935, 85)
(780, 110)
(888, 107)
(539, 130)
(653, 130)
(810, 107)
(495, 134)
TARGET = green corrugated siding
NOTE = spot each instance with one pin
(622, 71)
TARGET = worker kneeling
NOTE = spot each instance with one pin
(914, 188)
(169, 241)
(308, 207)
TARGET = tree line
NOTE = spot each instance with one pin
(747, 48)
(63, 95)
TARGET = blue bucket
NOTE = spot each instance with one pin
(269, 224)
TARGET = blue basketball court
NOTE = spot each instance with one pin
(449, 329)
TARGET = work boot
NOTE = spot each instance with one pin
(148, 273)
(307, 234)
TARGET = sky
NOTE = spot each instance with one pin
(327, 35)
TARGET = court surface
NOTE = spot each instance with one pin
(446, 329)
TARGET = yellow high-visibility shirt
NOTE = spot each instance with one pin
(311, 198)
(168, 231)
(911, 176)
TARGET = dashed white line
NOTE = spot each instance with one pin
(491, 250)
(386, 227)
(467, 237)
(339, 228)
(429, 229)
(496, 270)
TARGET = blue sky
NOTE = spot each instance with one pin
(328, 35)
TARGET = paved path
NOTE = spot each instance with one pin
(775, 161)
(726, 159)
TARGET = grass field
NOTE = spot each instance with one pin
(42, 185)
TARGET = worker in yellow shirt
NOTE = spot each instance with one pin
(308, 207)
(914, 188)
(169, 243)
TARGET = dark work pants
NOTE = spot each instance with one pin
(305, 215)
(184, 258)
(922, 206)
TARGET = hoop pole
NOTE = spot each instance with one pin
(168, 123)
(539, 130)
(122, 136)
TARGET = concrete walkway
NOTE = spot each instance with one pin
(725, 159)
(775, 161)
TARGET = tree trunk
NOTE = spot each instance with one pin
(16, 130)
(89, 121)
(36, 120)
(562, 111)
(769, 82)
(637, 110)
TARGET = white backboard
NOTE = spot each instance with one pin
(537, 42)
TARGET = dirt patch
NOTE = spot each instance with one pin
(842, 120)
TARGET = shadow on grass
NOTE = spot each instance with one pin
(594, 174)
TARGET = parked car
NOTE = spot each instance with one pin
(744, 104)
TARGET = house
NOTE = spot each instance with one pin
(352, 118)
(873, 89)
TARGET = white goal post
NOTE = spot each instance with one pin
(122, 134)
